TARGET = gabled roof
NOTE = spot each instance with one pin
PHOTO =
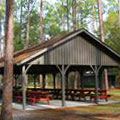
(24, 56)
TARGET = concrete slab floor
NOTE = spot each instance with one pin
(57, 104)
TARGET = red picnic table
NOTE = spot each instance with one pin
(91, 93)
(35, 96)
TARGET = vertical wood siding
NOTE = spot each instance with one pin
(77, 51)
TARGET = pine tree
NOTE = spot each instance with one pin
(6, 112)
(41, 22)
(28, 26)
(102, 34)
(0, 27)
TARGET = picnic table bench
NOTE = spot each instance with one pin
(35, 96)
(78, 94)
(102, 94)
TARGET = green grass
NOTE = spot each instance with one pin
(106, 109)
(115, 95)
(32, 86)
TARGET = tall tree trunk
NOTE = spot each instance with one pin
(63, 17)
(21, 11)
(102, 34)
(74, 14)
(68, 15)
(76, 77)
(94, 17)
(6, 113)
(0, 18)
(41, 22)
(119, 11)
(28, 27)
(74, 20)
(0, 28)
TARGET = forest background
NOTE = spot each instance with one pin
(59, 17)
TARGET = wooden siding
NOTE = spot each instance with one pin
(77, 51)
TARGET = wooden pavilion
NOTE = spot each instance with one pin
(76, 51)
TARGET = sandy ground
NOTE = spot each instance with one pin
(63, 114)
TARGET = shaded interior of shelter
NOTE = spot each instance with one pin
(85, 73)
(86, 79)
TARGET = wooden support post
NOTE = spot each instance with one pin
(43, 81)
(96, 86)
(24, 83)
(63, 85)
(40, 80)
(106, 79)
(100, 79)
(63, 71)
(96, 71)
(54, 81)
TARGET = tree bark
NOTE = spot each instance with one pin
(0, 28)
(6, 113)
(21, 11)
(75, 80)
(74, 14)
(41, 22)
(0, 18)
(94, 17)
(68, 16)
(28, 27)
(102, 34)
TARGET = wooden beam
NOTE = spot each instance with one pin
(63, 71)
(96, 87)
(96, 70)
(63, 85)
(24, 83)
(106, 79)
